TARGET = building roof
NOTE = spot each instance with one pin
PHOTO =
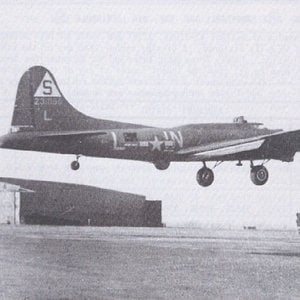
(6, 187)
(38, 186)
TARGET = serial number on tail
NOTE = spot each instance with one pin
(47, 101)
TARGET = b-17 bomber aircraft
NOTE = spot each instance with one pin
(43, 120)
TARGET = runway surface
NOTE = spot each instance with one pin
(142, 263)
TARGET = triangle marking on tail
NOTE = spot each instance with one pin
(47, 88)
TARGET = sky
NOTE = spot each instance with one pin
(164, 63)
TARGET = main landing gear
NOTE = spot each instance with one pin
(205, 176)
(75, 165)
(259, 174)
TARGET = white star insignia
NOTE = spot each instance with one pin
(156, 144)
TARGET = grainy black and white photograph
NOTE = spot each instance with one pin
(149, 149)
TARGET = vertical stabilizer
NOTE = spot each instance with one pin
(41, 106)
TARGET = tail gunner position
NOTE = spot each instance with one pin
(43, 120)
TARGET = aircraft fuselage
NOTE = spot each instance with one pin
(43, 120)
(144, 144)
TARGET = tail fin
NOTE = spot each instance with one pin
(41, 106)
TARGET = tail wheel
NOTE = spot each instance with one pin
(205, 177)
(259, 175)
(75, 165)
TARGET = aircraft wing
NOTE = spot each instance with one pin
(279, 143)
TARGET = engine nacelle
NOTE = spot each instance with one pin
(161, 164)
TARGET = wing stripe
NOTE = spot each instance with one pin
(232, 149)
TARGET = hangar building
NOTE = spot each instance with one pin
(53, 203)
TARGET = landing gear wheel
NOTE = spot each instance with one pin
(259, 175)
(75, 165)
(161, 164)
(205, 177)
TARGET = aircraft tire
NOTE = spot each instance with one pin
(162, 165)
(205, 177)
(75, 165)
(259, 175)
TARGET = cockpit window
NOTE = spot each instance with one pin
(130, 137)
